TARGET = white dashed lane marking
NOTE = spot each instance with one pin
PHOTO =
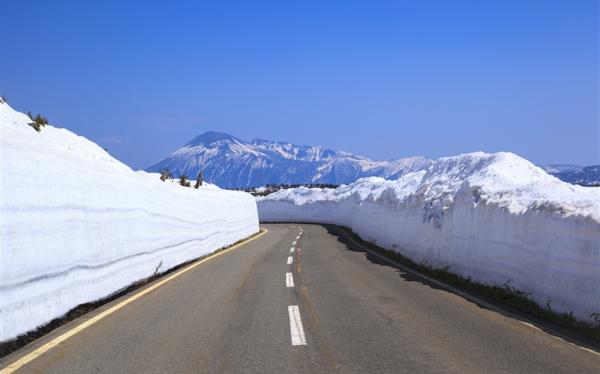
(289, 280)
(296, 330)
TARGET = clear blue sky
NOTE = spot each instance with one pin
(381, 79)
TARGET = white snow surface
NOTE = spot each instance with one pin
(493, 217)
(77, 225)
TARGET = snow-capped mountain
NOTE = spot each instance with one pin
(583, 175)
(231, 162)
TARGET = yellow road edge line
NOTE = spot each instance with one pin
(61, 338)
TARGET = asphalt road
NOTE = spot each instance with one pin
(237, 314)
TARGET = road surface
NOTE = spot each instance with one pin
(323, 306)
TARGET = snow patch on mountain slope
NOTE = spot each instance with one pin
(78, 225)
(493, 217)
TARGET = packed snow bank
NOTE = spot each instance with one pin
(77, 225)
(493, 217)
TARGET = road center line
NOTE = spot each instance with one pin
(292, 249)
(296, 330)
(294, 242)
(289, 280)
(290, 260)
(297, 237)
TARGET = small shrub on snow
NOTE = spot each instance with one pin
(198, 181)
(165, 174)
(38, 122)
(596, 319)
(184, 182)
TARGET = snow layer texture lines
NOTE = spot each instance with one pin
(77, 225)
(496, 218)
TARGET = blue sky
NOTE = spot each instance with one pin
(380, 79)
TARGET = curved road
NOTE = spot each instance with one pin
(339, 310)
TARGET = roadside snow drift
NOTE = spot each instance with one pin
(77, 225)
(494, 217)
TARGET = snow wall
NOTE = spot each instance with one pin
(76, 225)
(492, 217)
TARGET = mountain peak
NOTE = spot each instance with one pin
(230, 162)
(211, 137)
(259, 141)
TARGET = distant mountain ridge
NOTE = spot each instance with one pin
(582, 175)
(231, 162)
